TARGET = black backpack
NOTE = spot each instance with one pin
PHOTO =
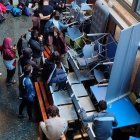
(22, 44)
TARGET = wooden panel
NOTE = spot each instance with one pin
(44, 94)
(42, 108)
(46, 54)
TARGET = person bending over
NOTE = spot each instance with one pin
(55, 127)
(102, 121)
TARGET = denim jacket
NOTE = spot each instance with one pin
(102, 123)
(50, 24)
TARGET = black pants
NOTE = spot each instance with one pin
(26, 103)
(10, 74)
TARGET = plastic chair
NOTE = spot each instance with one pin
(89, 56)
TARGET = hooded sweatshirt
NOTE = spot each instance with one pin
(8, 53)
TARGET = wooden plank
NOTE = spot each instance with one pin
(48, 50)
(44, 94)
(49, 95)
(42, 108)
(46, 54)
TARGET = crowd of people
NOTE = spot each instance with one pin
(47, 31)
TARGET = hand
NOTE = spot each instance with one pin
(82, 109)
(14, 47)
(40, 38)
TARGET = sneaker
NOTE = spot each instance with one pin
(0, 74)
(20, 98)
(21, 116)
(31, 120)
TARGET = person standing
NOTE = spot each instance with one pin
(9, 59)
(45, 11)
(36, 45)
(55, 127)
(28, 93)
(102, 121)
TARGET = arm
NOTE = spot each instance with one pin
(85, 118)
(36, 45)
(44, 17)
(48, 26)
(11, 53)
(63, 26)
(29, 87)
(63, 137)
(115, 123)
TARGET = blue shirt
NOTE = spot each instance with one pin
(102, 123)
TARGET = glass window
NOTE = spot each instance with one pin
(138, 7)
(129, 2)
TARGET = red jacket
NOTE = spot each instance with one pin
(3, 8)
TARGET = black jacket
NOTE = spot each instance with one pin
(37, 48)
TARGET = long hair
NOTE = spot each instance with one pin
(53, 111)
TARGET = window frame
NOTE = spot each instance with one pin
(131, 9)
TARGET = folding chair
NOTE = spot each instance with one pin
(93, 53)
(73, 34)
(99, 19)
(102, 69)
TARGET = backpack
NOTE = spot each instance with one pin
(30, 95)
(59, 76)
(26, 11)
(2, 18)
(48, 68)
(16, 12)
(22, 44)
(2, 8)
(9, 8)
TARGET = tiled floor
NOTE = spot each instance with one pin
(12, 128)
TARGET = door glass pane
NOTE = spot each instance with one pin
(129, 2)
(138, 7)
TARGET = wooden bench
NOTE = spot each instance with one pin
(47, 52)
(42, 98)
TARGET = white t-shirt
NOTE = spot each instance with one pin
(56, 23)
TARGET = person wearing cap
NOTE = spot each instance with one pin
(54, 127)
(102, 121)
(26, 59)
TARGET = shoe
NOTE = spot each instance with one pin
(20, 98)
(21, 116)
(31, 120)
(0, 74)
